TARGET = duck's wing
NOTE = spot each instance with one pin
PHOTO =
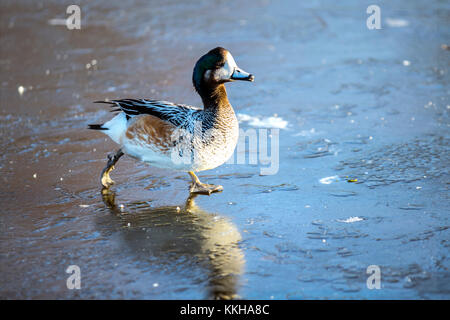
(175, 114)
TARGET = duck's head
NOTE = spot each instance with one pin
(217, 67)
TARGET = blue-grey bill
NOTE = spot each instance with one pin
(240, 74)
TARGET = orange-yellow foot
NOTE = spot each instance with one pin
(204, 188)
(112, 160)
(198, 187)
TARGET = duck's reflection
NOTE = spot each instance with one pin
(184, 234)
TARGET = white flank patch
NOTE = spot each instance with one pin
(397, 23)
(261, 122)
(329, 180)
(351, 220)
(117, 126)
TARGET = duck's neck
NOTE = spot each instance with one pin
(215, 100)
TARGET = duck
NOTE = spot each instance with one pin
(177, 136)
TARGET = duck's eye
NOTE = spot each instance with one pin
(220, 65)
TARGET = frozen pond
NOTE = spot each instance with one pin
(363, 177)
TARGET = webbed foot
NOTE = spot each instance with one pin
(204, 188)
(198, 187)
(105, 179)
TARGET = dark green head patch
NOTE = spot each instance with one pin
(214, 59)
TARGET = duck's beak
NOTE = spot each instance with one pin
(240, 74)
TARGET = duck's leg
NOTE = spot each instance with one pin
(112, 160)
(202, 188)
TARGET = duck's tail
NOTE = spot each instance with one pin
(114, 128)
(97, 127)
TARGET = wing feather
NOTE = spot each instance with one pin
(176, 114)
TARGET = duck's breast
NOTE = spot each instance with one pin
(216, 145)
